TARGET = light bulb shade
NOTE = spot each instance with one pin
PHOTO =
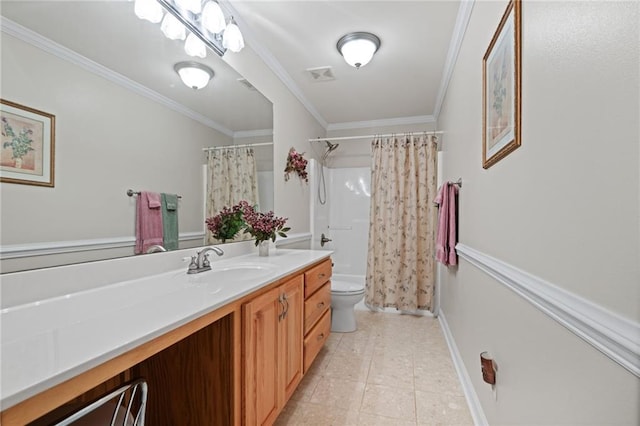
(232, 38)
(194, 74)
(172, 28)
(358, 48)
(213, 18)
(194, 6)
(195, 47)
(149, 10)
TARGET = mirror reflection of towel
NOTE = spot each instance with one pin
(170, 221)
(154, 200)
(148, 222)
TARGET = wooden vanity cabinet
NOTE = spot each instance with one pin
(272, 342)
(238, 364)
(317, 310)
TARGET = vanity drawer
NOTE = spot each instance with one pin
(315, 339)
(315, 306)
(316, 276)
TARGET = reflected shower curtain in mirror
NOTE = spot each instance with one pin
(231, 178)
(400, 260)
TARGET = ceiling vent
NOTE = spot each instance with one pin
(246, 83)
(321, 74)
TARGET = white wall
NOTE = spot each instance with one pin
(563, 207)
(108, 140)
(293, 125)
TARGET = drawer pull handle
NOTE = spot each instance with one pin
(320, 275)
(321, 336)
(320, 305)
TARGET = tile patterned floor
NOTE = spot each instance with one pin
(394, 370)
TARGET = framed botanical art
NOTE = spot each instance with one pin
(28, 142)
(501, 77)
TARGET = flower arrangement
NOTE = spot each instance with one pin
(226, 224)
(262, 226)
(296, 163)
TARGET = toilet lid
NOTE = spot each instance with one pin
(346, 287)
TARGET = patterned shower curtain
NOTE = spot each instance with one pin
(231, 177)
(400, 262)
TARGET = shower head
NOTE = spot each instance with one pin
(331, 146)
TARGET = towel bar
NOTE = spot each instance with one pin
(131, 193)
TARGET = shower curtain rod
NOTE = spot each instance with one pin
(246, 145)
(346, 138)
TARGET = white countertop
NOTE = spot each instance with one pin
(49, 341)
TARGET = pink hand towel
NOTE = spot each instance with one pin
(148, 221)
(155, 200)
(446, 238)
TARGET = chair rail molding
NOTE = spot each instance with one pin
(13, 251)
(613, 335)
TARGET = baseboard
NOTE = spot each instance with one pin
(479, 419)
(613, 335)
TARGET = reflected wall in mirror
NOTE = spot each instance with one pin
(124, 120)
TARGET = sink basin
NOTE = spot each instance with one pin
(240, 272)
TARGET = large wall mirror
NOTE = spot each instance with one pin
(123, 120)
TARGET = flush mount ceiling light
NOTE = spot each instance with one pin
(358, 48)
(193, 74)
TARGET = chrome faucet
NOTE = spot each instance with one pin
(201, 262)
(156, 248)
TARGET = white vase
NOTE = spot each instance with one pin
(263, 248)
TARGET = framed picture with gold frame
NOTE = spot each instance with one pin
(501, 87)
(27, 150)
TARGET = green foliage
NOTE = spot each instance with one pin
(20, 144)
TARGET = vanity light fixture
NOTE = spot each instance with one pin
(232, 37)
(213, 18)
(194, 6)
(194, 74)
(204, 19)
(358, 48)
(149, 10)
(195, 47)
(172, 28)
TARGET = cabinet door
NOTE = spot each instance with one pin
(262, 324)
(291, 337)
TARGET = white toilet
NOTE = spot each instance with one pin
(344, 296)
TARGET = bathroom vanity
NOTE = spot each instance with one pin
(226, 346)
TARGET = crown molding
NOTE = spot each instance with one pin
(16, 30)
(271, 62)
(252, 133)
(462, 21)
(613, 335)
(417, 119)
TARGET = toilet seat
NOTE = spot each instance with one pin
(346, 288)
